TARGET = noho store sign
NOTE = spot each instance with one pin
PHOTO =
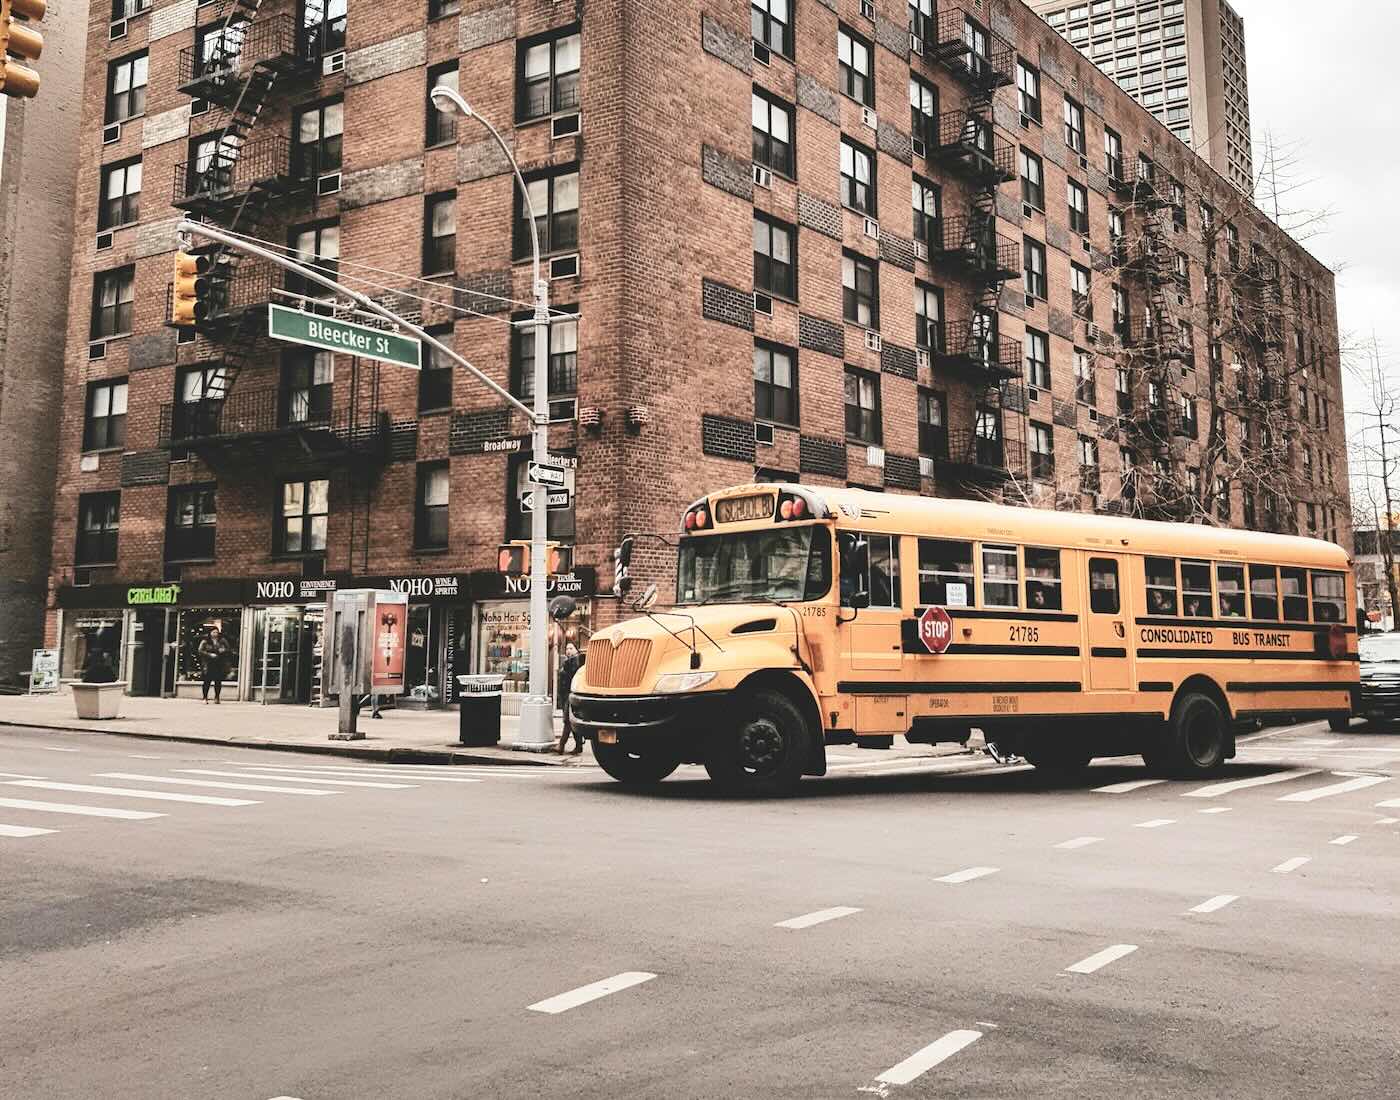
(484, 584)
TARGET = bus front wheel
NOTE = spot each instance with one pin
(634, 768)
(765, 753)
(1197, 737)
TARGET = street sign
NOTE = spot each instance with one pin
(328, 334)
(545, 475)
(556, 500)
(562, 462)
(935, 629)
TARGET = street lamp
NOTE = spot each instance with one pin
(537, 712)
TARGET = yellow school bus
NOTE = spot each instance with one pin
(806, 617)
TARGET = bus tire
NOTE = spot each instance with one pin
(635, 768)
(1339, 725)
(1197, 739)
(767, 752)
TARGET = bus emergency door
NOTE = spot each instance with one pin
(1110, 659)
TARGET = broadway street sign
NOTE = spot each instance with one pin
(341, 336)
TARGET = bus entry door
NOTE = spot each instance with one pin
(870, 585)
(1110, 660)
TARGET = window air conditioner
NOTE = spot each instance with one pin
(118, 30)
(872, 229)
(875, 456)
(762, 54)
(867, 9)
(916, 44)
(868, 116)
(762, 177)
(329, 184)
(1091, 331)
(565, 126)
(872, 340)
(564, 267)
(104, 241)
(762, 303)
(920, 149)
(563, 409)
(763, 433)
(333, 63)
(111, 133)
(925, 466)
(920, 250)
(97, 350)
(921, 355)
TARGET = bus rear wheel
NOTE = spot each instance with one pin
(765, 754)
(636, 768)
(1197, 737)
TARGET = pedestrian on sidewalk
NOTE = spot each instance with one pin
(571, 663)
(214, 654)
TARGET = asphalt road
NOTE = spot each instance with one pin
(942, 928)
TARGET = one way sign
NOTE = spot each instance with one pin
(546, 475)
(556, 499)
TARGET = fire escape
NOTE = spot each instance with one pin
(968, 147)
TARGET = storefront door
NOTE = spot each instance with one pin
(146, 651)
(279, 661)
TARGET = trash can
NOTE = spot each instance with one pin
(479, 713)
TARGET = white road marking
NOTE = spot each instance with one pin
(1210, 905)
(1101, 958)
(1291, 864)
(1130, 785)
(821, 916)
(298, 779)
(368, 773)
(23, 830)
(1318, 741)
(214, 783)
(968, 874)
(1359, 783)
(130, 792)
(1078, 842)
(49, 748)
(1215, 810)
(985, 768)
(921, 1061)
(955, 764)
(1155, 823)
(1347, 839)
(69, 808)
(20, 775)
(1388, 821)
(1388, 804)
(143, 756)
(581, 996)
(1215, 790)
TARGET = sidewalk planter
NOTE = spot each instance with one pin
(98, 700)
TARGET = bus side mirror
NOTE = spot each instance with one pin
(859, 600)
(648, 599)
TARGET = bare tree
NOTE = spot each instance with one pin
(1376, 457)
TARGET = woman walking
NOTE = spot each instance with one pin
(214, 653)
(567, 667)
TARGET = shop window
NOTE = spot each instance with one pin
(195, 625)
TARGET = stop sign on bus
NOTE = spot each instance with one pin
(935, 629)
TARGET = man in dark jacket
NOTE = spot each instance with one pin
(214, 653)
(571, 663)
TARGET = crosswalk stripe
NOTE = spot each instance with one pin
(1131, 785)
(23, 830)
(581, 996)
(131, 792)
(1293, 864)
(967, 875)
(921, 1061)
(1389, 804)
(1347, 839)
(821, 916)
(20, 775)
(1210, 905)
(1078, 842)
(1155, 823)
(1101, 959)
(299, 779)
(1358, 783)
(69, 808)
(213, 783)
(1215, 790)
(368, 773)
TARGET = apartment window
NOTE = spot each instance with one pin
(1074, 126)
(440, 233)
(1222, 498)
(554, 198)
(191, 518)
(928, 316)
(1078, 207)
(440, 9)
(431, 503)
(219, 45)
(320, 134)
(1088, 454)
(1120, 311)
(774, 257)
(1028, 89)
(856, 62)
(562, 359)
(324, 26)
(1181, 267)
(1037, 359)
(1178, 199)
(1035, 282)
(1123, 389)
(1117, 227)
(104, 425)
(127, 9)
(126, 87)
(772, 25)
(774, 383)
(1112, 154)
(863, 406)
(921, 19)
(316, 246)
(1032, 179)
(308, 386)
(923, 112)
(857, 177)
(302, 517)
(199, 394)
(1085, 391)
(435, 379)
(1232, 245)
(121, 194)
(773, 135)
(99, 516)
(1081, 291)
(548, 78)
(442, 121)
(933, 423)
(112, 294)
(860, 290)
(927, 211)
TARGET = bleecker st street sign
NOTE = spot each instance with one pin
(329, 334)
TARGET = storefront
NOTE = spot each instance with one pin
(502, 646)
(288, 616)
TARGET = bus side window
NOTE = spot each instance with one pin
(945, 573)
(1293, 587)
(818, 566)
(1043, 579)
(884, 570)
(1263, 592)
(1229, 583)
(1329, 597)
(1161, 586)
(855, 565)
(1195, 589)
(1103, 586)
(999, 586)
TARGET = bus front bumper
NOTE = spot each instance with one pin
(644, 716)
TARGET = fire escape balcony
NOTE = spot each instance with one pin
(1159, 339)
(985, 358)
(966, 45)
(967, 144)
(974, 458)
(233, 174)
(1138, 183)
(216, 68)
(257, 430)
(970, 245)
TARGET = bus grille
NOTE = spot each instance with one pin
(620, 667)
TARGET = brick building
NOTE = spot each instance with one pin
(907, 272)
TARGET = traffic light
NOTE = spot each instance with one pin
(197, 287)
(514, 559)
(561, 559)
(622, 572)
(19, 40)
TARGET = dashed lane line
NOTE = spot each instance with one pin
(1215, 810)
(921, 1061)
(1355, 783)
(968, 874)
(1215, 790)
(584, 994)
(821, 916)
(1290, 865)
(1346, 839)
(215, 784)
(1210, 905)
(1100, 959)
(1388, 821)
(23, 831)
(70, 808)
(367, 773)
(1388, 804)
(20, 775)
(1155, 823)
(301, 779)
(131, 792)
(1078, 842)
(1130, 785)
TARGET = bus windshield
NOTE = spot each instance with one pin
(780, 563)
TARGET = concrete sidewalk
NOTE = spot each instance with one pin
(416, 735)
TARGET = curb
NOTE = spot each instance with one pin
(398, 755)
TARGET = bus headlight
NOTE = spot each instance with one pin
(674, 682)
